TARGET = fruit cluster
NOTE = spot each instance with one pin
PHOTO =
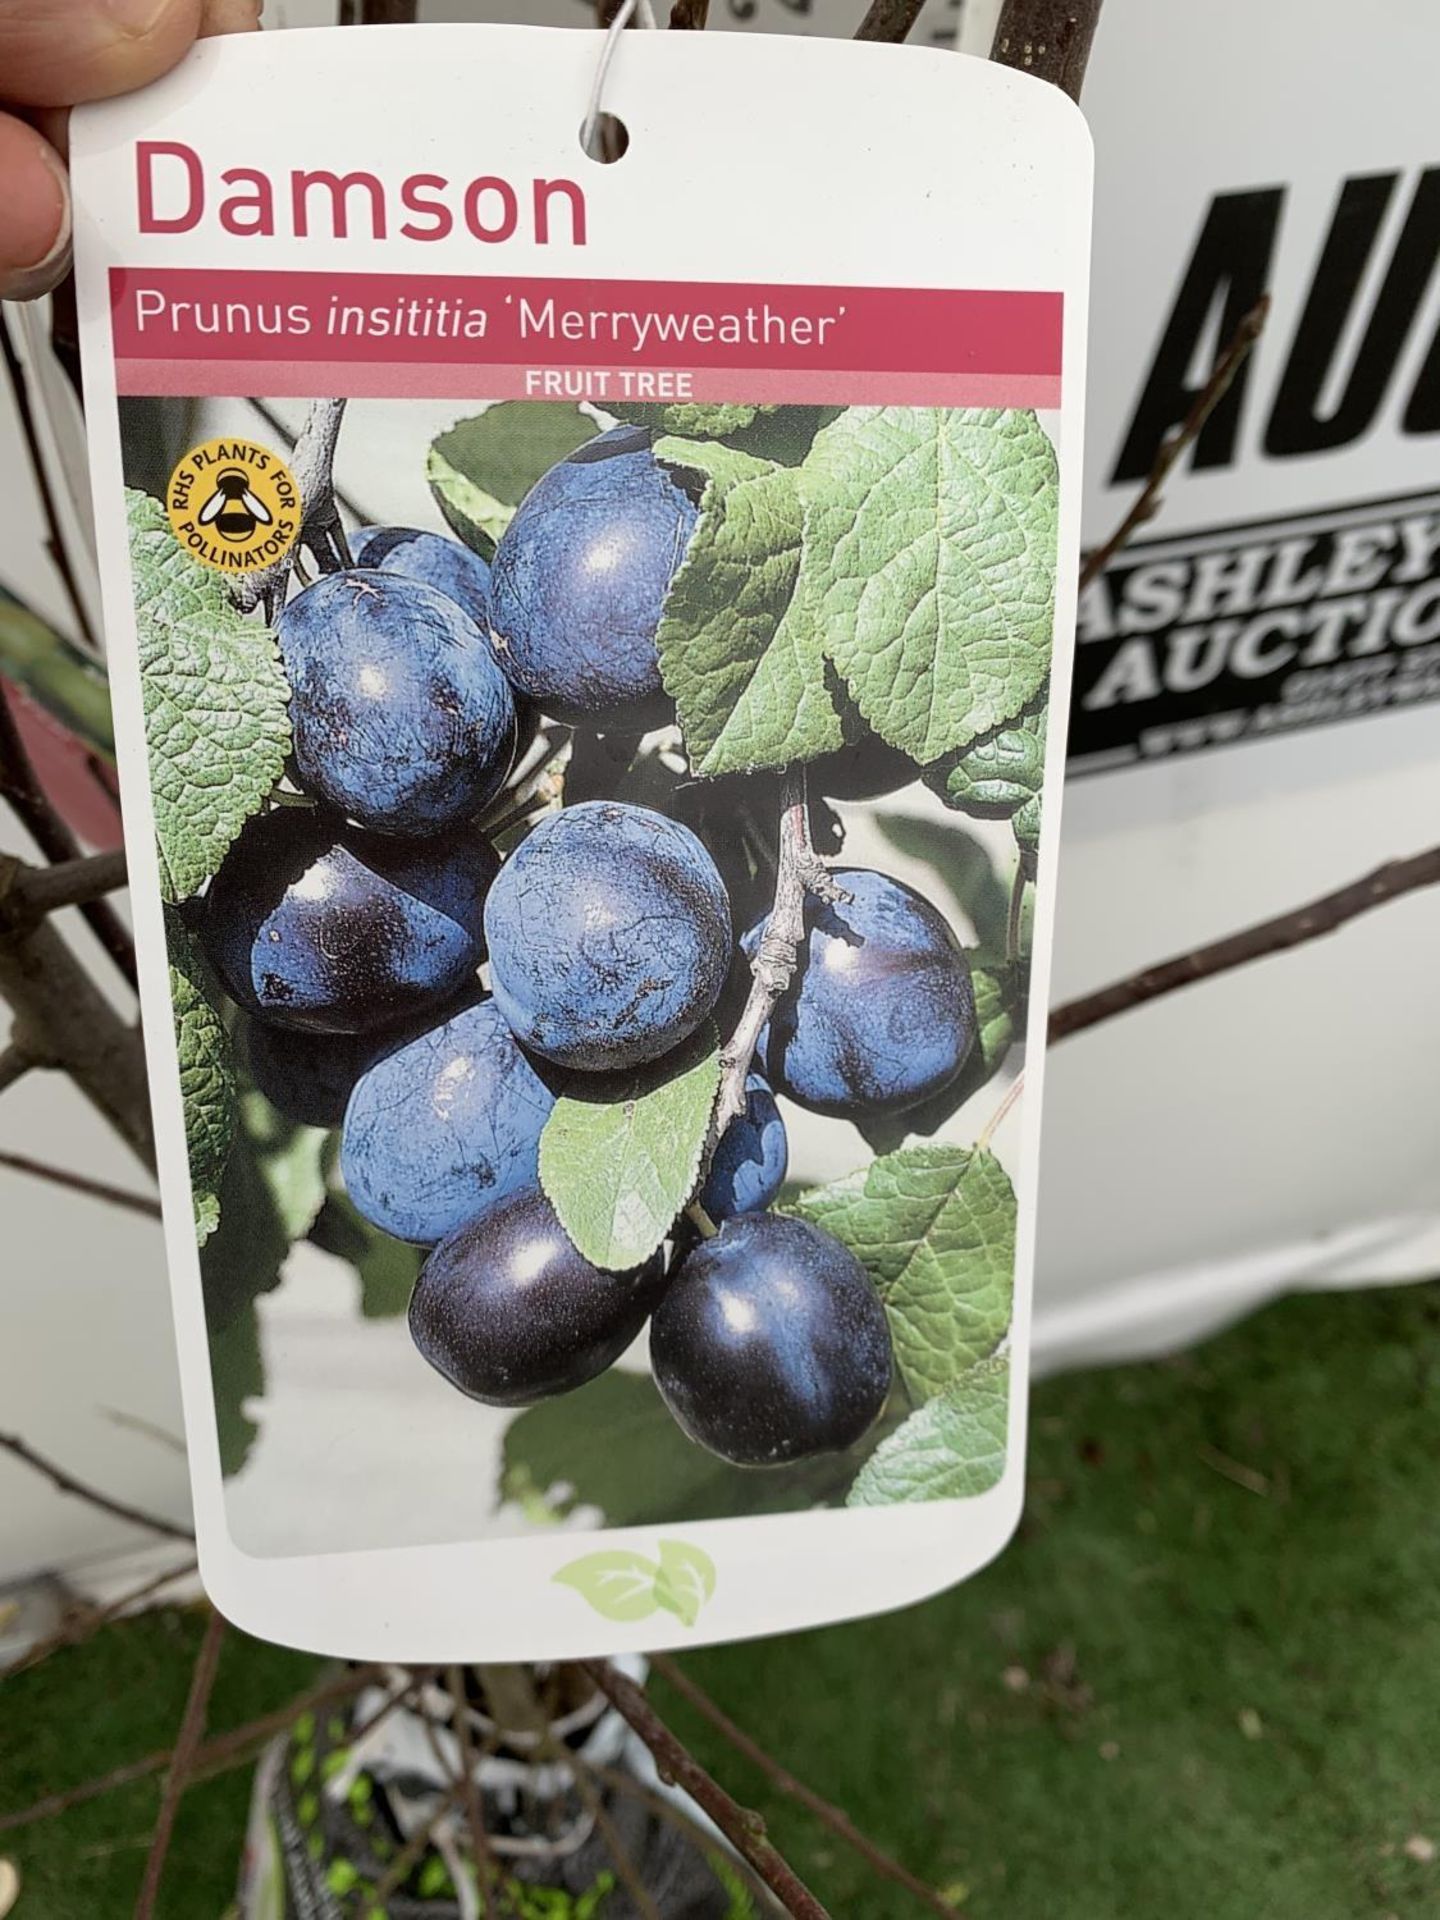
(352, 921)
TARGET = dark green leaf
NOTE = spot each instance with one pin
(929, 568)
(951, 1449)
(215, 698)
(481, 469)
(934, 1226)
(614, 1446)
(743, 666)
(207, 1074)
(620, 1154)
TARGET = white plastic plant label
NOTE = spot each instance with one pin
(592, 928)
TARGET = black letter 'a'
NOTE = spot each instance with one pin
(1231, 259)
(1295, 426)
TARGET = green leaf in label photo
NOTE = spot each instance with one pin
(929, 570)
(935, 1228)
(951, 1449)
(207, 1073)
(620, 1153)
(216, 703)
(480, 469)
(742, 665)
(618, 1583)
(1000, 773)
(695, 419)
(686, 1580)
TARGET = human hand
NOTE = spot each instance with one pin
(55, 54)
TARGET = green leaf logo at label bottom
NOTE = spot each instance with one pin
(626, 1586)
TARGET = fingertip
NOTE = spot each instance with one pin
(34, 212)
(65, 52)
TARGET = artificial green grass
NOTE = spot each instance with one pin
(1203, 1684)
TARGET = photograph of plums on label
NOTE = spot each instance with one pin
(600, 917)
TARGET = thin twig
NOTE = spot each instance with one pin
(312, 463)
(701, 1837)
(470, 1791)
(404, 1863)
(88, 1621)
(1286, 930)
(1014, 919)
(67, 1483)
(20, 788)
(829, 1815)
(276, 425)
(15, 1063)
(889, 20)
(1148, 504)
(1048, 38)
(63, 1020)
(800, 872)
(741, 1826)
(37, 891)
(77, 1182)
(619, 1853)
(231, 1749)
(1011, 1095)
(55, 536)
(187, 1745)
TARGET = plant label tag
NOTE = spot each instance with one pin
(590, 598)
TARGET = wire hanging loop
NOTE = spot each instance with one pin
(592, 132)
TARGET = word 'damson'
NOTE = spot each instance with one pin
(176, 194)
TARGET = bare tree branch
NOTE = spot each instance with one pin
(1049, 38)
(312, 462)
(63, 1020)
(829, 1815)
(187, 1745)
(36, 891)
(15, 1063)
(889, 19)
(1286, 930)
(67, 1483)
(77, 1182)
(1148, 504)
(743, 1828)
(23, 792)
(691, 14)
(225, 1750)
(88, 1621)
(470, 1790)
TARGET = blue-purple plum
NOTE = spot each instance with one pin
(881, 1014)
(313, 924)
(580, 577)
(770, 1344)
(401, 718)
(510, 1313)
(609, 934)
(443, 1126)
(446, 565)
(748, 1169)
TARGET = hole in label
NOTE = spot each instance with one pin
(608, 139)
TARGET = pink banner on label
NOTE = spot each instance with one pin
(193, 330)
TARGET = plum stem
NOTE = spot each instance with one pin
(312, 463)
(799, 872)
(1011, 1095)
(701, 1221)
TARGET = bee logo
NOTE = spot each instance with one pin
(232, 508)
(234, 505)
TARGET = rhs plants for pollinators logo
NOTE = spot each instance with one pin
(233, 505)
